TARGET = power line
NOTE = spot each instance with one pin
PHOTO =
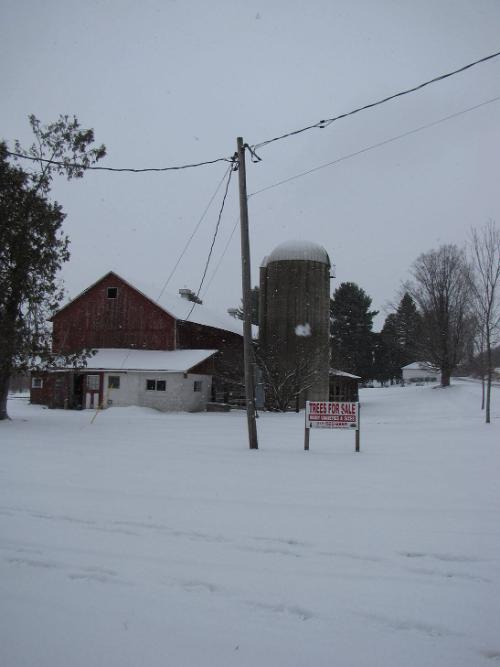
(374, 146)
(319, 125)
(223, 254)
(328, 121)
(343, 158)
(213, 241)
(183, 252)
(124, 169)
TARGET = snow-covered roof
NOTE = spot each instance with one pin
(180, 361)
(334, 371)
(180, 308)
(302, 250)
(420, 366)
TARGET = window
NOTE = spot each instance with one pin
(92, 382)
(112, 292)
(36, 383)
(156, 385)
(198, 385)
(114, 382)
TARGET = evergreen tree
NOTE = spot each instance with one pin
(352, 342)
(32, 244)
(381, 368)
(392, 353)
(408, 329)
(399, 340)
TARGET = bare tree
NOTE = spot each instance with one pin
(286, 386)
(485, 254)
(287, 381)
(478, 364)
(442, 290)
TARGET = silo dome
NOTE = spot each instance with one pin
(298, 250)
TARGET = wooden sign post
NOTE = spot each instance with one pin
(331, 414)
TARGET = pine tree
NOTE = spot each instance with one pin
(33, 246)
(392, 359)
(408, 329)
(351, 330)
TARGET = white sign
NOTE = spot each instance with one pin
(332, 414)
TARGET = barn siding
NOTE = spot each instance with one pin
(229, 360)
(192, 336)
(130, 320)
(56, 391)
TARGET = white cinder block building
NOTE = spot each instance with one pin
(420, 371)
(164, 380)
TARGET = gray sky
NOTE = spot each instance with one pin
(173, 82)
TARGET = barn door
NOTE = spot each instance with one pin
(92, 391)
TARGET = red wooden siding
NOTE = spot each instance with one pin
(55, 391)
(194, 336)
(65, 389)
(128, 321)
(228, 362)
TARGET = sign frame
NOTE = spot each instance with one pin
(333, 415)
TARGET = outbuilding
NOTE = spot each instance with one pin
(420, 371)
(343, 386)
(164, 380)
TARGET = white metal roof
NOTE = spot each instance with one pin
(302, 250)
(114, 359)
(180, 308)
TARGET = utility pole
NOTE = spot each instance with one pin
(247, 301)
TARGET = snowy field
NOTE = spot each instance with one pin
(146, 539)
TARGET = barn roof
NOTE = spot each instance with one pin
(180, 308)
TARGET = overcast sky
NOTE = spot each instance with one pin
(173, 82)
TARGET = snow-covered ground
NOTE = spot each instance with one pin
(138, 538)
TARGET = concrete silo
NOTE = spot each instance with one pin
(294, 318)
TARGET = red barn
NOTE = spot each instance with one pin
(142, 346)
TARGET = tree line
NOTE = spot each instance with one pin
(448, 316)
